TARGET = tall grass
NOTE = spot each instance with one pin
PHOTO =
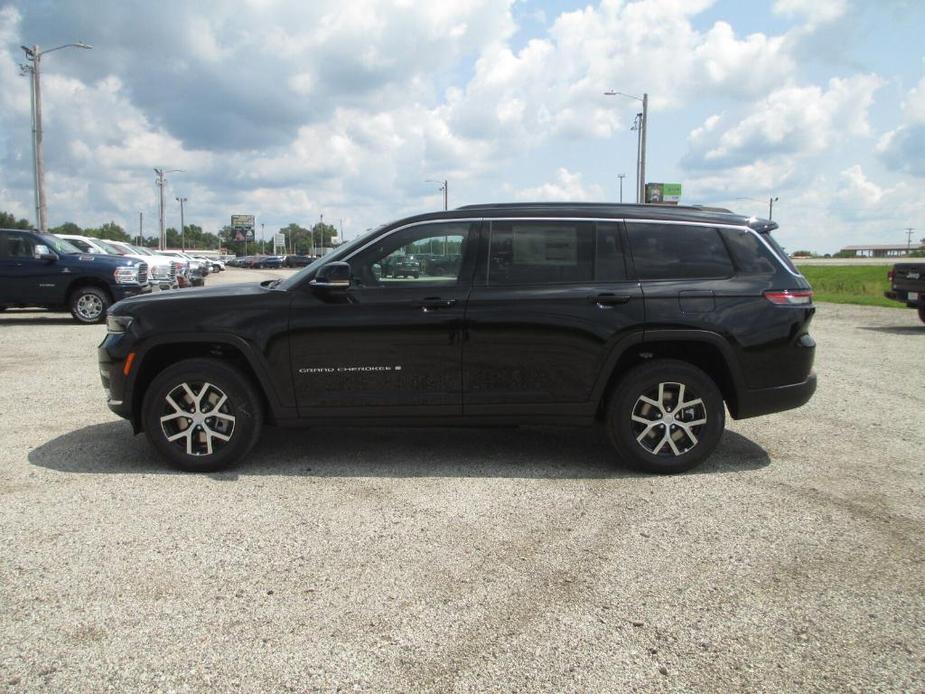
(850, 285)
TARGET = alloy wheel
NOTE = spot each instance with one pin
(89, 307)
(197, 418)
(667, 420)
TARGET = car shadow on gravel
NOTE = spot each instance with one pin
(37, 318)
(897, 330)
(527, 452)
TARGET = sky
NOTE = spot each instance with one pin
(291, 110)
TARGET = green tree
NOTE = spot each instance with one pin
(67, 228)
(9, 221)
(110, 230)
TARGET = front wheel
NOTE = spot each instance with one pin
(202, 414)
(88, 304)
(666, 416)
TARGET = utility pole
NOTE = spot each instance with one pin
(621, 177)
(161, 181)
(182, 224)
(771, 200)
(444, 188)
(909, 231)
(641, 124)
(34, 56)
(141, 233)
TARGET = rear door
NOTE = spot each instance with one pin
(552, 300)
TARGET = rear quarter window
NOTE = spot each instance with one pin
(751, 257)
(678, 251)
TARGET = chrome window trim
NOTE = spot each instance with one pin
(740, 227)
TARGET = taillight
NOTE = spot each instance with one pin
(790, 297)
(890, 275)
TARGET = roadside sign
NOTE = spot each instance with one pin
(243, 226)
(663, 193)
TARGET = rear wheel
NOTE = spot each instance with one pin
(922, 313)
(88, 304)
(666, 416)
(202, 414)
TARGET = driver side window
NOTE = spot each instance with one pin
(425, 255)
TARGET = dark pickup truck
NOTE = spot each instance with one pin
(44, 271)
(907, 284)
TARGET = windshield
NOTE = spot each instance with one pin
(336, 254)
(108, 247)
(59, 246)
(141, 251)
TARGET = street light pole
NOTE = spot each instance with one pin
(34, 56)
(621, 177)
(444, 188)
(771, 200)
(642, 124)
(182, 224)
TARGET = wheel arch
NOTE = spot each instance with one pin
(706, 350)
(87, 281)
(157, 356)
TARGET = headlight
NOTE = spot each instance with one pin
(118, 324)
(126, 274)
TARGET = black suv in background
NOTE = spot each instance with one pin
(44, 271)
(907, 284)
(649, 320)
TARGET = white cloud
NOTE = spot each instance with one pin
(795, 120)
(813, 11)
(903, 149)
(568, 186)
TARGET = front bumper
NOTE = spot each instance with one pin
(759, 401)
(111, 356)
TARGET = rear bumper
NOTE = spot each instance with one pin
(756, 402)
(903, 296)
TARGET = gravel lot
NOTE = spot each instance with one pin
(472, 560)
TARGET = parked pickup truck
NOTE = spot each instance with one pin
(44, 271)
(907, 284)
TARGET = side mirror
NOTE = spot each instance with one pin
(43, 252)
(332, 276)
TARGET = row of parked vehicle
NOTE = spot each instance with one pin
(85, 275)
(167, 269)
(271, 261)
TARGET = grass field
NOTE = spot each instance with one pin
(862, 285)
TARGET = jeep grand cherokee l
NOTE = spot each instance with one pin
(648, 320)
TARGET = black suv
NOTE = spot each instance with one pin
(45, 271)
(647, 319)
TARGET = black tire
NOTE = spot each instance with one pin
(240, 414)
(415, 275)
(922, 313)
(88, 304)
(645, 442)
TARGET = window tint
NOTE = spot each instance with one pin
(425, 255)
(82, 245)
(524, 252)
(750, 255)
(677, 251)
(18, 245)
(609, 260)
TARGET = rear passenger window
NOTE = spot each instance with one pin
(751, 257)
(678, 251)
(540, 253)
(610, 265)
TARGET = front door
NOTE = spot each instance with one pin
(25, 279)
(392, 345)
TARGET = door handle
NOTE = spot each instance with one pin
(608, 300)
(434, 303)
